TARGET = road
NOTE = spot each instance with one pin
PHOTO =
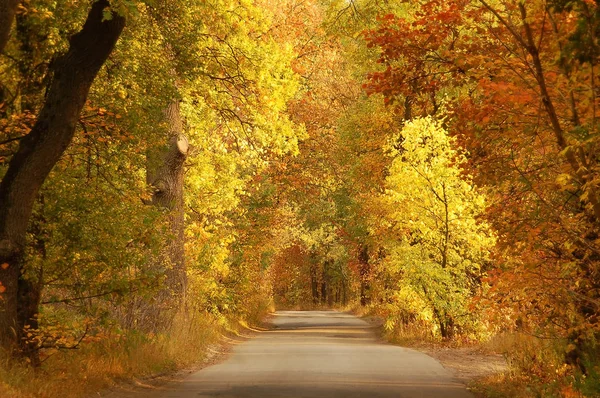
(320, 354)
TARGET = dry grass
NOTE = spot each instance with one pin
(99, 365)
(536, 368)
(121, 357)
(509, 365)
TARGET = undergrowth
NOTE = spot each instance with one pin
(536, 366)
(118, 357)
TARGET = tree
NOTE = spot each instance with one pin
(438, 245)
(73, 74)
(165, 176)
(518, 81)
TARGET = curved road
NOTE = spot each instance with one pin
(320, 354)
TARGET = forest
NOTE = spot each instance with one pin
(170, 169)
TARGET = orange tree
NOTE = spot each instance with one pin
(517, 80)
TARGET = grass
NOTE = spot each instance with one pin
(536, 367)
(118, 357)
(408, 335)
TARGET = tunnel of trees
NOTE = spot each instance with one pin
(434, 162)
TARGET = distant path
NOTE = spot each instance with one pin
(320, 354)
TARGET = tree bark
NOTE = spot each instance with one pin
(39, 151)
(8, 8)
(167, 180)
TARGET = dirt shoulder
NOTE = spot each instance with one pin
(468, 364)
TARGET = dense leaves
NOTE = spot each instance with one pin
(439, 248)
(434, 161)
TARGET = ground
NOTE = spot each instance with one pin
(468, 363)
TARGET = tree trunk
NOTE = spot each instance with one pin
(30, 288)
(166, 177)
(8, 8)
(363, 263)
(324, 280)
(314, 283)
(444, 250)
(39, 151)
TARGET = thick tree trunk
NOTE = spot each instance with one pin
(30, 289)
(446, 324)
(166, 177)
(39, 151)
(8, 8)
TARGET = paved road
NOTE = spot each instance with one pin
(320, 354)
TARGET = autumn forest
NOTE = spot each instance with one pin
(171, 169)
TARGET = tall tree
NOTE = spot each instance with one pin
(436, 242)
(519, 81)
(73, 74)
(165, 176)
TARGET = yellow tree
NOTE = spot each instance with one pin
(437, 245)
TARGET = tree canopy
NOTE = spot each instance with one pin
(433, 161)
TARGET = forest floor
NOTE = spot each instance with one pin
(468, 364)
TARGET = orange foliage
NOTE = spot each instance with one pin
(522, 106)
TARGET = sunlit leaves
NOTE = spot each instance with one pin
(437, 242)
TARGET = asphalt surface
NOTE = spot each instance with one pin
(320, 354)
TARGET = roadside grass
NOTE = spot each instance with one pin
(408, 335)
(535, 367)
(510, 386)
(119, 357)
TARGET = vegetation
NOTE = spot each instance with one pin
(170, 168)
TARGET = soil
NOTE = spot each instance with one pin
(468, 364)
